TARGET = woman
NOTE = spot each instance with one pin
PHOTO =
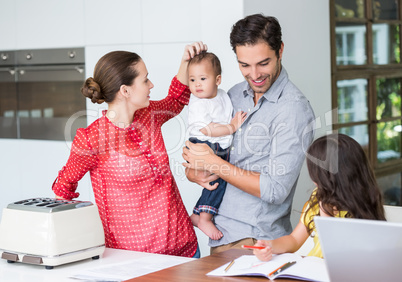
(137, 197)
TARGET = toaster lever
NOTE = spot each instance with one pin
(10, 257)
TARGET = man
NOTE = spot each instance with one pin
(267, 151)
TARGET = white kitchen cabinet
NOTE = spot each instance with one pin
(113, 22)
(49, 23)
(171, 21)
(8, 37)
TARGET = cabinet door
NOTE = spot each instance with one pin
(8, 21)
(49, 24)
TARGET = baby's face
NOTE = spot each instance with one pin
(202, 80)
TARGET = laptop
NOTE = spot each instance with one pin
(361, 249)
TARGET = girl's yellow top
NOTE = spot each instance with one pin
(315, 211)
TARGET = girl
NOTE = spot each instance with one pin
(346, 187)
(137, 197)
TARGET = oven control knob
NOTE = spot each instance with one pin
(4, 56)
(29, 56)
(71, 54)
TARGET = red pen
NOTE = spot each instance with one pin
(253, 247)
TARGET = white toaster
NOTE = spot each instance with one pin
(50, 232)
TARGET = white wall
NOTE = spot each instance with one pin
(157, 30)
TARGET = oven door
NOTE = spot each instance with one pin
(8, 105)
(50, 103)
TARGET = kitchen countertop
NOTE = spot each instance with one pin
(118, 259)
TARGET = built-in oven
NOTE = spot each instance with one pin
(40, 94)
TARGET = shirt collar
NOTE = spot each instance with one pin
(274, 92)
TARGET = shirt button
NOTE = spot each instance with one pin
(149, 155)
(154, 168)
(232, 148)
(249, 109)
(239, 129)
(140, 143)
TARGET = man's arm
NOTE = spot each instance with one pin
(287, 151)
(201, 157)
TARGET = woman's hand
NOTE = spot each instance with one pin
(264, 254)
(194, 49)
(190, 51)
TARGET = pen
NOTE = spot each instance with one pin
(252, 247)
(229, 266)
(282, 268)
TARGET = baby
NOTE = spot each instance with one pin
(210, 121)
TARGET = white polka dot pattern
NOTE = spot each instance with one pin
(137, 197)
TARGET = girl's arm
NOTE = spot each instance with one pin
(285, 244)
(217, 129)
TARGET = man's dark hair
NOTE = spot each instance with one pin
(255, 28)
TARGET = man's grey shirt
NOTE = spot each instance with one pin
(272, 141)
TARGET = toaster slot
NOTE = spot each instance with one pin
(10, 257)
(31, 203)
(44, 204)
(21, 202)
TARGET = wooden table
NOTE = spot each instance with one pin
(195, 271)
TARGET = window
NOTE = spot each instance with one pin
(366, 83)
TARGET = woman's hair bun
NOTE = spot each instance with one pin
(91, 90)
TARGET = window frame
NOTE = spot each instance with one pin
(371, 72)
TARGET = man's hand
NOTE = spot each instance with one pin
(202, 178)
(198, 156)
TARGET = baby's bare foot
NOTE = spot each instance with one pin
(209, 228)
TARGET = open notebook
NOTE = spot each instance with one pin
(307, 268)
(360, 249)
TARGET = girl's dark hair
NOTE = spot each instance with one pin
(254, 28)
(345, 180)
(112, 70)
(207, 56)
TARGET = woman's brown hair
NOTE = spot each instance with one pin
(112, 70)
(345, 180)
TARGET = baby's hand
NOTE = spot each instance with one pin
(264, 254)
(238, 120)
